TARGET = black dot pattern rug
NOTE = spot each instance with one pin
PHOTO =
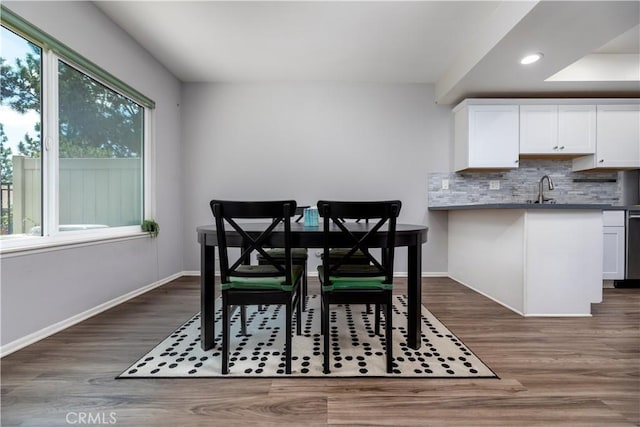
(356, 351)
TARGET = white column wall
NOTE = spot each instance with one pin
(563, 262)
(535, 262)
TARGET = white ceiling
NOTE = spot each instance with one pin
(464, 48)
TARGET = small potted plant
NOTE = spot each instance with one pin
(151, 227)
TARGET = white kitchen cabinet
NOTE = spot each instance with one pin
(538, 129)
(557, 129)
(613, 245)
(576, 129)
(617, 139)
(486, 137)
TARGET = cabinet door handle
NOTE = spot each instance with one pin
(601, 161)
(555, 148)
(562, 148)
(517, 161)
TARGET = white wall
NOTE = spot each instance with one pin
(315, 141)
(42, 289)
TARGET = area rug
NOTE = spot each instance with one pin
(356, 350)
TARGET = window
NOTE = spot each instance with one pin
(100, 145)
(88, 177)
(20, 134)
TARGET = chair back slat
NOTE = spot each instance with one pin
(385, 212)
(227, 212)
(255, 209)
(363, 210)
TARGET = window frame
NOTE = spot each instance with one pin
(52, 52)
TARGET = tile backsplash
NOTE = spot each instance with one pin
(521, 185)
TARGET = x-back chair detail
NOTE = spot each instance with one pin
(346, 282)
(275, 281)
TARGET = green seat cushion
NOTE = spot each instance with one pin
(346, 278)
(296, 253)
(258, 280)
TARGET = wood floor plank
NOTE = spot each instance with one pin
(396, 388)
(473, 411)
(552, 371)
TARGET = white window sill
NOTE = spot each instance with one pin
(26, 245)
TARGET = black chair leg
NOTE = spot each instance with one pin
(321, 313)
(243, 320)
(299, 309)
(377, 318)
(325, 328)
(288, 339)
(388, 335)
(225, 337)
(304, 287)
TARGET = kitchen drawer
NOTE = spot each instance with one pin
(613, 218)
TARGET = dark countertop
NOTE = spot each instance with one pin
(584, 206)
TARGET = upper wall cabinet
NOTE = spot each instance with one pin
(598, 133)
(565, 130)
(617, 139)
(486, 137)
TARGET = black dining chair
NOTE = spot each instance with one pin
(273, 282)
(299, 255)
(344, 282)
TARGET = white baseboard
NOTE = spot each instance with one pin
(191, 273)
(20, 343)
(435, 274)
(557, 315)
(423, 274)
(315, 274)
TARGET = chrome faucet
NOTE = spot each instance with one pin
(541, 198)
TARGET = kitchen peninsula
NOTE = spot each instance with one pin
(535, 259)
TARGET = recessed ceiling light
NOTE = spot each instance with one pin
(530, 59)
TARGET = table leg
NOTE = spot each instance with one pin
(414, 290)
(207, 295)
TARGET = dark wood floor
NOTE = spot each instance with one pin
(553, 371)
